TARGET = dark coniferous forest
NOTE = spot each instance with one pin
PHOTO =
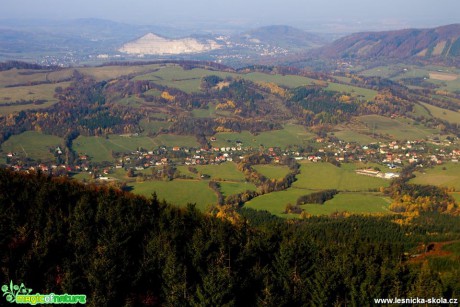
(60, 236)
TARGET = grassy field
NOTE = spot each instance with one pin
(320, 176)
(100, 149)
(224, 171)
(170, 140)
(21, 76)
(399, 128)
(354, 136)
(456, 196)
(276, 202)
(272, 171)
(33, 92)
(359, 203)
(112, 72)
(448, 78)
(355, 91)
(32, 144)
(153, 126)
(188, 81)
(290, 135)
(201, 113)
(231, 188)
(448, 177)
(447, 115)
(178, 192)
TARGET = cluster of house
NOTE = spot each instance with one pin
(392, 154)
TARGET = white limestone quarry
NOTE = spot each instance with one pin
(152, 44)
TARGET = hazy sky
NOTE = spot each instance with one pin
(292, 12)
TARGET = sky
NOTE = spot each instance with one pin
(300, 13)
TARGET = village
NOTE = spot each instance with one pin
(391, 155)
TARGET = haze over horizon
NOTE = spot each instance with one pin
(338, 15)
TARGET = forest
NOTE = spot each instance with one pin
(61, 236)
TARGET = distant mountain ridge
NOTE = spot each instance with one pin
(442, 41)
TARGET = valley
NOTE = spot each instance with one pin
(164, 126)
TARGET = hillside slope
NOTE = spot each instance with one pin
(436, 42)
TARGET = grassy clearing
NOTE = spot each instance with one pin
(95, 147)
(153, 126)
(34, 92)
(456, 196)
(32, 144)
(276, 202)
(355, 91)
(399, 128)
(358, 203)
(321, 176)
(112, 72)
(290, 81)
(170, 140)
(445, 175)
(448, 115)
(272, 171)
(178, 192)
(203, 113)
(100, 149)
(20, 76)
(188, 81)
(419, 110)
(354, 136)
(290, 135)
(224, 171)
(231, 188)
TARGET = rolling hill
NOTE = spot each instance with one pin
(427, 43)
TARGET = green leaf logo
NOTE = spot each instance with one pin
(12, 291)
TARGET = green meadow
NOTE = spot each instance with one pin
(100, 149)
(231, 188)
(445, 175)
(276, 202)
(398, 128)
(178, 192)
(447, 115)
(33, 92)
(272, 171)
(358, 203)
(321, 176)
(226, 171)
(32, 144)
(290, 135)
